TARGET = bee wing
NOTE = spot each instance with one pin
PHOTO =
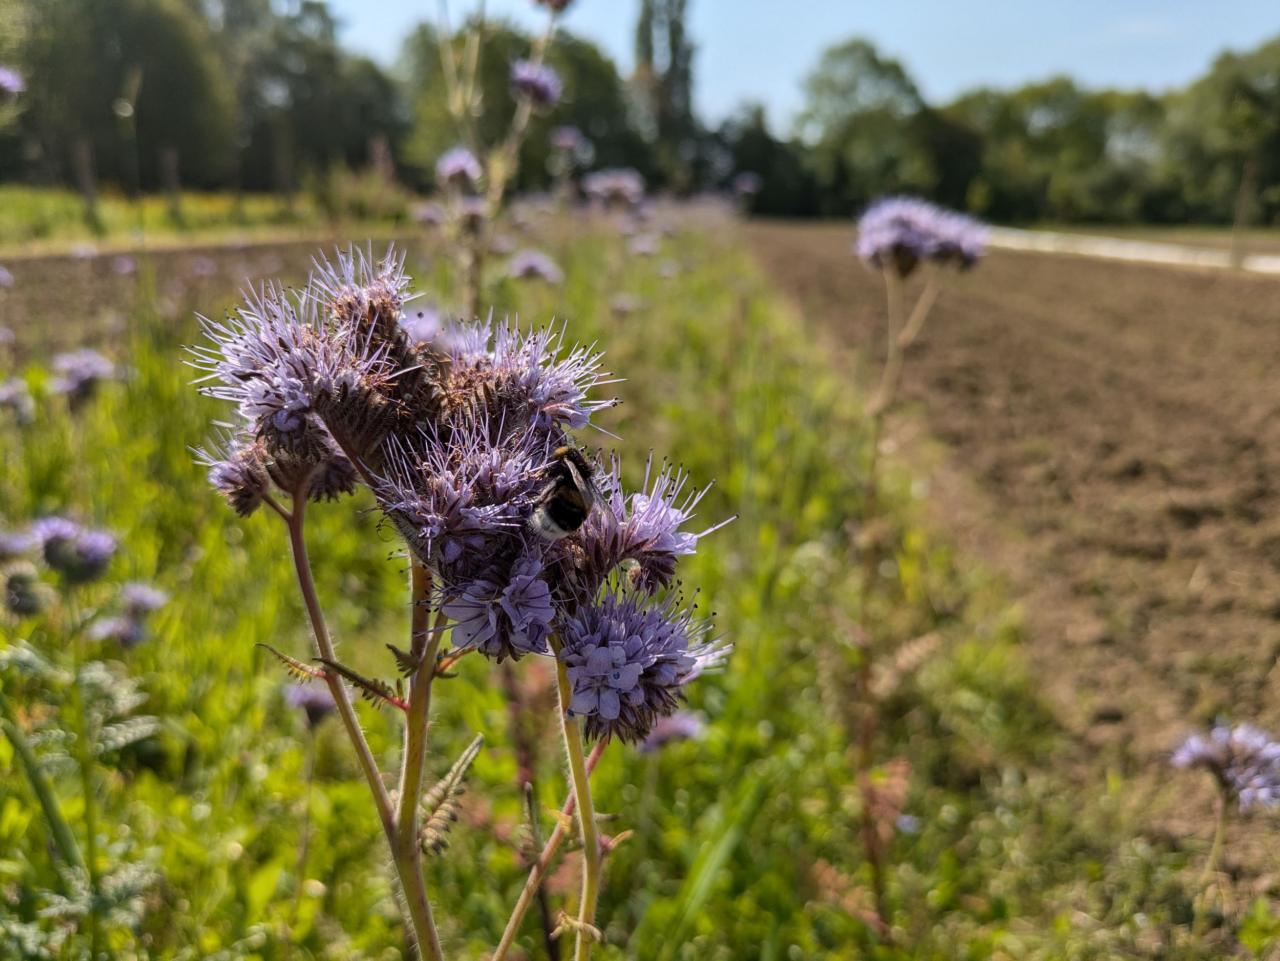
(585, 483)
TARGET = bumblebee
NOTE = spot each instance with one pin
(566, 501)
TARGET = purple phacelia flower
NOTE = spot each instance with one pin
(124, 265)
(1244, 761)
(459, 169)
(536, 81)
(567, 139)
(429, 214)
(138, 599)
(614, 188)
(15, 544)
(78, 374)
(642, 533)
(901, 232)
(534, 265)
(505, 614)
(78, 553)
(680, 726)
(643, 245)
(22, 593)
(238, 471)
(123, 630)
(11, 81)
(541, 381)
(315, 701)
(628, 663)
(423, 325)
(16, 398)
(6, 277)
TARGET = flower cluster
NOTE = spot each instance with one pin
(16, 398)
(463, 437)
(614, 187)
(534, 265)
(314, 701)
(901, 232)
(1244, 761)
(537, 82)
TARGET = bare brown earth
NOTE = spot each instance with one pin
(1112, 445)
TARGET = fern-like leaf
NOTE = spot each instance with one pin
(299, 670)
(377, 693)
(406, 663)
(440, 804)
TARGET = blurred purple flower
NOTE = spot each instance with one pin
(458, 168)
(140, 599)
(747, 184)
(22, 593)
(6, 277)
(903, 231)
(423, 325)
(567, 139)
(614, 187)
(79, 372)
(429, 214)
(124, 265)
(1244, 761)
(680, 726)
(534, 265)
(123, 630)
(313, 700)
(538, 82)
(78, 553)
(11, 81)
(16, 398)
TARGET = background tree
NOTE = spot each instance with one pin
(664, 87)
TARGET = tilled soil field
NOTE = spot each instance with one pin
(1114, 447)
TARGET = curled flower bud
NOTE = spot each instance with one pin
(458, 169)
(538, 82)
(628, 664)
(76, 552)
(239, 474)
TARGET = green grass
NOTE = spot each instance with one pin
(746, 842)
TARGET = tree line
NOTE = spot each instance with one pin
(259, 95)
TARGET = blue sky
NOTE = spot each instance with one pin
(762, 49)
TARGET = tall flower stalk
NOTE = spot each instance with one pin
(518, 545)
(896, 236)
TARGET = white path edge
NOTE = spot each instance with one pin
(1138, 251)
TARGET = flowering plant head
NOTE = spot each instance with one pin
(537, 82)
(6, 277)
(614, 187)
(534, 265)
(78, 553)
(11, 81)
(901, 232)
(78, 374)
(462, 437)
(315, 702)
(1244, 761)
(567, 139)
(15, 398)
(458, 169)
